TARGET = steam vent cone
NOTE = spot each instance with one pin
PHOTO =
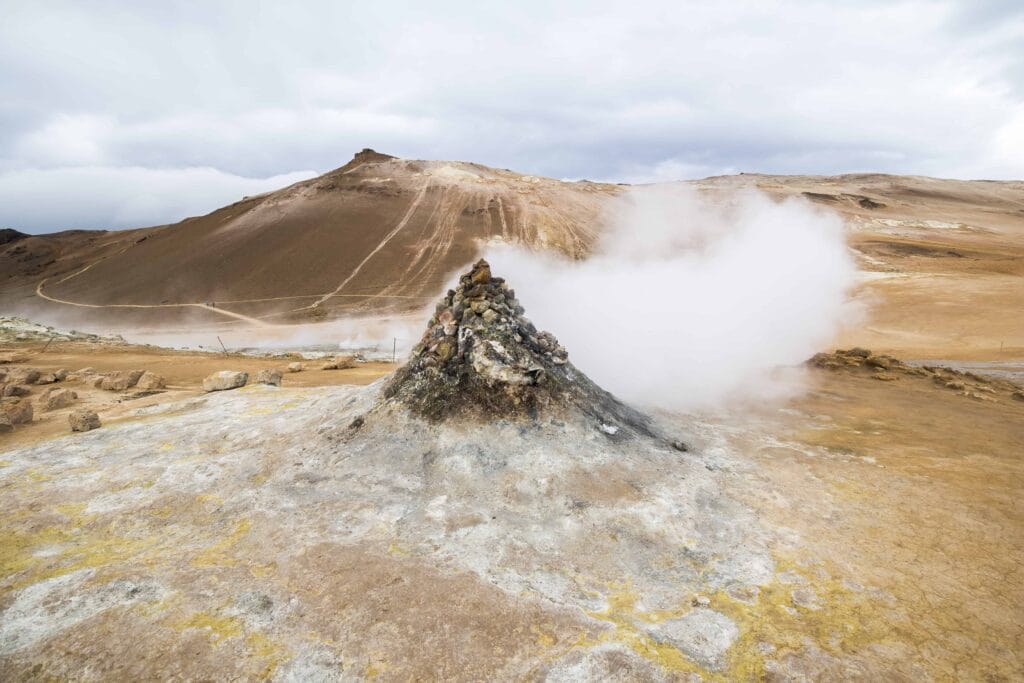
(481, 359)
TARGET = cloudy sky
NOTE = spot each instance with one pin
(118, 114)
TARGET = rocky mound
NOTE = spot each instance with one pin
(481, 358)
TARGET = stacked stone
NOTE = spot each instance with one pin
(480, 308)
(481, 359)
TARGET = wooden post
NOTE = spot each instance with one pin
(394, 349)
(222, 345)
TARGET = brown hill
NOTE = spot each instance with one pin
(943, 259)
(379, 233)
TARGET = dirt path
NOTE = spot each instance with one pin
(221, 311)
(387, 238)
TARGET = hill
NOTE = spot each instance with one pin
(942, 259)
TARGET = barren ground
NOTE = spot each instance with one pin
(236, 535)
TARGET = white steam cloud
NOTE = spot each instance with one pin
(686, 303)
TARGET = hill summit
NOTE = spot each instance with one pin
(481, 358)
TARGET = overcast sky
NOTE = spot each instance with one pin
(118, 114)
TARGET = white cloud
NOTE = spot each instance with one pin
(597, 89)
(105, 197)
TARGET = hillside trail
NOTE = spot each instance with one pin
(230, 314)
(387, 238)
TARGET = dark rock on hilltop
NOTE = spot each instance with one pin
(480, 357)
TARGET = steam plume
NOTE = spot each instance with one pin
(687, 303)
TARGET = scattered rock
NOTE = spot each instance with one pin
(23, 376)
(340, 363)
(61, 374)
(269, 376)
(120, 380)
(150, 381)
(1018, 395)
(225, 380)
(47, 378)
(83, 420)
(18, 410)
(5, 423)
(16, 390)
(59, 398)
(296, 367)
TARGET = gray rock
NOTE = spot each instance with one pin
(5, 423)
(16, 390)
(225, 380)
(83, 420)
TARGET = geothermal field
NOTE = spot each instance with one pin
(431, 420)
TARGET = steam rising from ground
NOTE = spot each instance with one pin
(687, 303)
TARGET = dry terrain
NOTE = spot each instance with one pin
(869, 529)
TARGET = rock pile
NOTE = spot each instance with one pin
(481, 357)
(887, 369)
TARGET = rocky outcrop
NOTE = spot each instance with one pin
(83, 420)
(225, 380)
(888, 369)
(481, 358)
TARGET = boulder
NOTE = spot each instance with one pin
(121, 380)
(61, 374)
(23, 376)
(224, 380)
(18, 410)
(58, 398)
(15, 390)
(340, 363)
(269, 376)
(83, 420)
(150, 381)
(5, 423)
(47, 378)
(296, 367)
